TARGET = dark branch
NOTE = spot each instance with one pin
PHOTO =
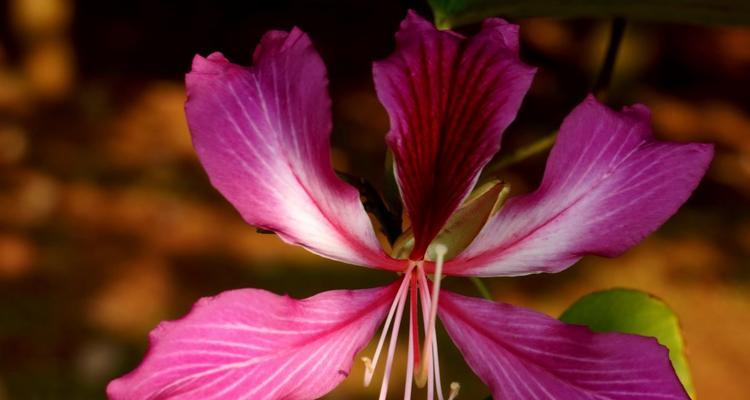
(605, 74)
(374, 204)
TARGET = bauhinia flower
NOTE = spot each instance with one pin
(262, 134)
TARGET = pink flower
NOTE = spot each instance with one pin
(262, 135)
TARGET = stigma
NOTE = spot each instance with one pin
(422, 368)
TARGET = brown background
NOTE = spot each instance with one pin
(108, 224)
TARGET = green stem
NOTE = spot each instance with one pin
(600, 89)
(481, 288)
(519, 155)
(374, 204)
(605, 74)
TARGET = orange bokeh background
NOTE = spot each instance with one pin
(109, 225)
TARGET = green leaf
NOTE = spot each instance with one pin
(450, 13)
(633, 311)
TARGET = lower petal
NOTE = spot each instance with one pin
(522, 354)
(253, 344)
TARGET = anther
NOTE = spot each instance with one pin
(455, 388)
(368, 364)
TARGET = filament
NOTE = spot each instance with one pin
(424, 370)
(394, 339)
(371, 364)
(413, 340)
(433, 380)
(421, 375)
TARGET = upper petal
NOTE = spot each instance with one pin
(253, 344)
(449, 99)
(262, 134)
(607, 185)
(522, 354)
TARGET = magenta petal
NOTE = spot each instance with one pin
(262, 134)
(449, 99)
(522, 354)
(253, 344)
(608, 184)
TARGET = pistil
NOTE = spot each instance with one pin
(413, 323)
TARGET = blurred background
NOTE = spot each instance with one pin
(108, 224)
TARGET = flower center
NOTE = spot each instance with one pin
(424, 370)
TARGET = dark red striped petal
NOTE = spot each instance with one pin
(449, 99)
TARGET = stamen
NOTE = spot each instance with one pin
(436, 366)
(434, 361)
(421, 375)
(425, 299)
(455, 388)
(371, 364)
(394, 339)
(413, 341)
